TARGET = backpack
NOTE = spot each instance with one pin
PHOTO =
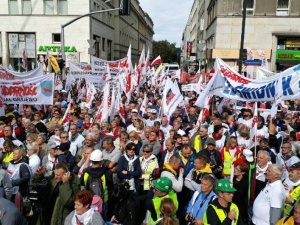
(96, 186)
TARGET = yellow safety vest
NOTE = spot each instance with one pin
(221, 214)
(295, 194)
(228, 161)
(104, 185)
(197, 145)
(156, 202)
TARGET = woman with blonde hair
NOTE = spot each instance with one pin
(137, 140)
(243, 137)
(34, 160)
(167, 209)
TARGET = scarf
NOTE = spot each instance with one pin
(260, 172)
(130, 162)
(83, 219)
(167, 166)
(144, 163)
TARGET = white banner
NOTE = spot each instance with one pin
(228, 83)
(7, 74)
(31, 91)
(99, 65)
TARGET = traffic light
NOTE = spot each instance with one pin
(124, 8)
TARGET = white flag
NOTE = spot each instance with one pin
(172, 97)
(90, 93)
(66, 118)
(253, 130)
(106, 96)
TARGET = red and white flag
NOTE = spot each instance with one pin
(90, 93)
(198, 124)
(98, 115)
(120, 107)
(24, 58)
(112, 111)
(147, 61)
(156, 61)
(144, 105)
(58, 83)
(141, 68)
(106, 102)
(66, 118)
(107, 74)
(171, 98)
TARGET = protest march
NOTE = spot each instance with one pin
(117, 143)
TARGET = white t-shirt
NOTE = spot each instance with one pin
(273, 195)
(166, 130)
(34, 163)
(76, 144)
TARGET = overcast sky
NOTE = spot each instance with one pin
(169, 18)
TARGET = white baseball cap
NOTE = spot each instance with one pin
(96, 155)
(248, 154)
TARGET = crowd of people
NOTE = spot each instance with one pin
(148, 169)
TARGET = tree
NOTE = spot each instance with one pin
(167, 51)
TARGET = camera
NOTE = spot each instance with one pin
(38, 195)
(190, 220)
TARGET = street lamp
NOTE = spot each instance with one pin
(242, 36)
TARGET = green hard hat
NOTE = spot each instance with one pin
(163, 184)
(225, 186)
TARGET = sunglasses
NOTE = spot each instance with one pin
(64, 137)
(132, 149)
(147, 151)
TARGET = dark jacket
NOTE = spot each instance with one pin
(136, 173)
(215, 160)
(163, 156)
(25, 176)
(10, 215)
(68, 158)
(60, 202)
(97, 173)
(126, 211)
(189, 165)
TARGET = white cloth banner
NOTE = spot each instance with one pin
(7, 74)
(31, 91)
(99, 65)
(228, 83)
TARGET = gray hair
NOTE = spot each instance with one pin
(148, 147)
(210, 178)
(266, 153)
(34, 146)
(108, 140)
(42, 135)
(277, 169)
(91, 135)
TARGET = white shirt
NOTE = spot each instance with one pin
(166, 130)
(279, 161)
(76, 144)
(273, 195)
(34, 163)
(248, 123)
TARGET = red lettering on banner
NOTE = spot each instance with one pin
(227, 73)
(20, 90)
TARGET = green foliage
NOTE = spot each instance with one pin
(167, 51)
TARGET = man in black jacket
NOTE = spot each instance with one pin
(214, 157)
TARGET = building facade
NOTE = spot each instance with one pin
(35, 25)
(271, 25)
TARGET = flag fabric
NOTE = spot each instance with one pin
(107, 74)
(198, 124)
(54, 63)
(171, 98)
(120, 107)
(253, 130)
(112, 110)
(156, 61)
(147, 61)
(250, 69)
(263, 58)
(141, 68)
(98, 115)
(90, 93)
(144, 105)
(58, 84)
(66, 118)
(69, 97)
(207, 103)
(24, 58)
(106, 95)
(69, 81)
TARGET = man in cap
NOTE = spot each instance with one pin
(246, 157)
(286, 158)
(213, 156)
(63, 154)
(96, 179)
(292, 187)
(267, 207)
(222, 210)
(152, 118)
(162, 189)
(80, 128)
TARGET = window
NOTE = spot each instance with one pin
(282, 8)
(26, 4)
(62, 7)
(249, 7)
(55, 38)
(103, 44)
(49, 7)
(13, 7)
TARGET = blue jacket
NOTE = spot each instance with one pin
(196, 201)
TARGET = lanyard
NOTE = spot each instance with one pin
(201, 204)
